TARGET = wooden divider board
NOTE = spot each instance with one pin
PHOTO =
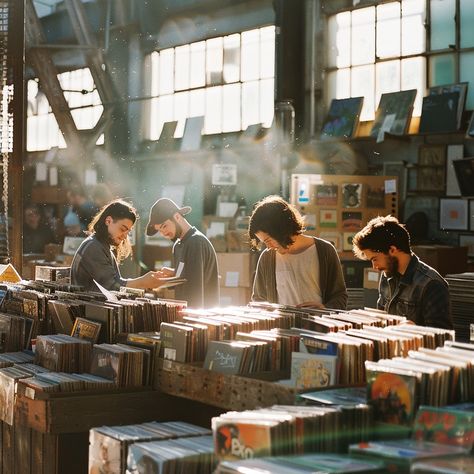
(336, 207)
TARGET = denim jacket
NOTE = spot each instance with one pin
(421, 294)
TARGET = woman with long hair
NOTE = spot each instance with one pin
(97, 259)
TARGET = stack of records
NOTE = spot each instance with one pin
(64, 382)
(50, 273)
(15, 332)
(62, 353)
(150, 341)
(461, 293)
(447, 425)
(7, 359)
(396, 387)
(400, 455)
(307, 463)
(285, 430)
(125, 365)
(190, 455)
(9, 376)
(115, 441)
(184, 341)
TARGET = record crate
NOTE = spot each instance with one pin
(229, 392)
(50, 433)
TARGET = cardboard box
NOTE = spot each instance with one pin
(443, 258)
(234, 269)
(371, 279)
(234, 296)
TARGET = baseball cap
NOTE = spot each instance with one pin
(162, 210)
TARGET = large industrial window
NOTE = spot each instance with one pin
(387, 48)
(43, 132)
(229, 80)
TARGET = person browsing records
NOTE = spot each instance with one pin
(194, 257)
(108, 244)
(408, 287)
(295, 269)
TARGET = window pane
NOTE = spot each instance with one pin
(166, 71)
(198, 64)
(214, 61)
(181, 78)
(250, 55)
(413, 77)
(155, 61)
(387, 78)
(155, 124)
(467, 66)
(467, 22)
(339, 85)
(388, 30)
(443, 28)
(362, 84)
(213, 117)
(181, 106)
(232, 58)
(339, 40)
(267, 52)
(250, 104)
(267, 100)
(165, 110)
(231, 108)
(413, 27)
(442, 70)
(32, 133)
(196, 103)
(363, 36)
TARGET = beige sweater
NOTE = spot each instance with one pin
(331, 278)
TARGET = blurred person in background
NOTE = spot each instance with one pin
(36, 234)
(81, 204)
(101, 195)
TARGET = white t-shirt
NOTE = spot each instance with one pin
(297, 277)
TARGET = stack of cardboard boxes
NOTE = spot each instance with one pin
(236, 275)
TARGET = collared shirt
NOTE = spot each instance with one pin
(421, 294)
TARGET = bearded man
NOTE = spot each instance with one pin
(408, 287)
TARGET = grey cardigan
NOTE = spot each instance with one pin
(331, 278)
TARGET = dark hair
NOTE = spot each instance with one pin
(379, 235)
(277, 218)
(117, 210)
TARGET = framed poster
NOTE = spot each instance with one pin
(453, 214)
(467, 240)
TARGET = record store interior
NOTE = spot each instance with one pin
(236, 236)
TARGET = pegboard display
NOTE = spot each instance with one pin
(336, 207)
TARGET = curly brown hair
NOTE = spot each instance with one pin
(277, 218)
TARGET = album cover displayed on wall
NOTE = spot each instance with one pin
(439, 113)
(464, 170)
(393, 113)
(342, 118)
(461, 89)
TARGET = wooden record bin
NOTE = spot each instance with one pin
(50, 433)
(228, 392)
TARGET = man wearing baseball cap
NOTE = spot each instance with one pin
(194, 257)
